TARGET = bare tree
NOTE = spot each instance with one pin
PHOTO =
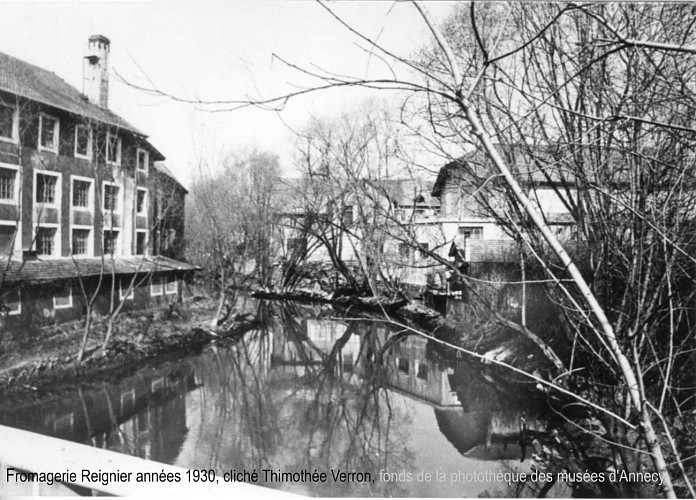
(351, 168)
(230, 224)
(596, 100)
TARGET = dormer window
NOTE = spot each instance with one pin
(9, 123)
(48, 133)
(83, 142)
(113, 149)
(143, 159)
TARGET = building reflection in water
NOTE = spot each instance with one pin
(303, 391)
(142, 415)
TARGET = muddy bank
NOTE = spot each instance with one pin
(140, 339)
(149, 338)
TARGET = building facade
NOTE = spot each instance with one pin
(88, 213)
(470, 196)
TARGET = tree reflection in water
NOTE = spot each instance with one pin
(301, 393)
(304, 391)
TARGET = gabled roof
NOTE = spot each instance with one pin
(37, 84)
(38, 271)
(550, 164)
(411, 193)
(162, 168)
(444, 175)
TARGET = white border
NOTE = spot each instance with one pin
(14, 139)
(121, 289)
(120, 200)
(152, 286)
(137, 160)
(88, 156)
(70, 296)
(167, 281)
(56, 133)
(117, 161)
(145, 201)
(117, 241)
(15, 199)
(136, 241)
(90, 241)
(18, 311)
(37, 208)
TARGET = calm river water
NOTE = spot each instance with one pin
(306, 392)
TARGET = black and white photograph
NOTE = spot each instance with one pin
(332, 248)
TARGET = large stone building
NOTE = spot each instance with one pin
(88, 213)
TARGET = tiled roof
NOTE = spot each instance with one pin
(38, 271)
(411, 192)
(400, 192)
(551, 164)
(37, 84)
(162, 168)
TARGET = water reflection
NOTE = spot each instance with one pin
(302, 392)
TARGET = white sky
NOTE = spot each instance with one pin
(213, 50)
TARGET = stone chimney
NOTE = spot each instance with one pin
(96, 70)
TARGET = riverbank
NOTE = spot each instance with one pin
(147, 336)
(139, 337)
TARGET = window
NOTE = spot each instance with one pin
(81, 193)
(11, 302)
(8, 179)
(111, 198)
(127, 401)
(156, 287)
(62, 297)
(7, 239)
(124, 285)
(296, 244)
(157, 386)
(348, 215)
(140, 242)
(8, 122)
(110, 242)
(80, 241)
(170, 239)
(424, 247)
(471, 232)
(48, 133)
(172, 285)
(46, 188)
(404, 250)
(83, 142)
(113, 148)
(141, 206)
(422, 372)
(402, 365)
(45, 240)
(143, 158)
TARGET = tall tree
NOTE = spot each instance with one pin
(230, 223)
(597, 100)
